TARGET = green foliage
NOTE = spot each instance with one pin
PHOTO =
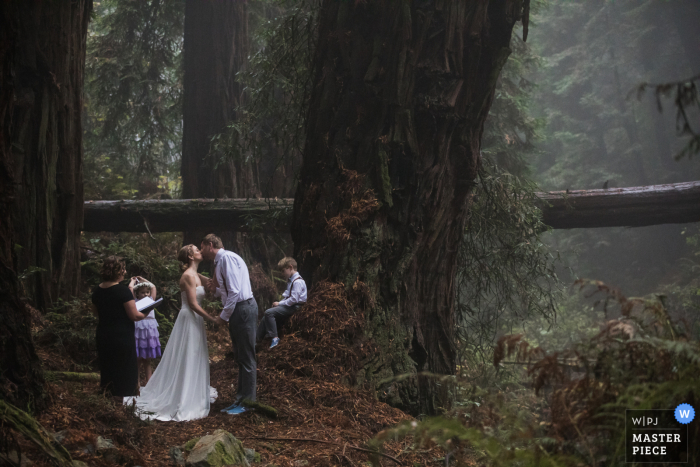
(505, 273)
(687, 102)
(133, 87)
(152, 258)
(640, 358)
(520, 448)
(70, 329)
(270, 124)
(593, 54)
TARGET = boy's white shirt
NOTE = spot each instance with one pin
(298, 292)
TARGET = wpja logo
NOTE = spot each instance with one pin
(658, 435)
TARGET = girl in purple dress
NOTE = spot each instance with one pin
(147, 337)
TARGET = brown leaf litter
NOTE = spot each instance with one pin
(302, 378)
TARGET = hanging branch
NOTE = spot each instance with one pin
(686, 98)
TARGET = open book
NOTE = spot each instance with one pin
(146, 304)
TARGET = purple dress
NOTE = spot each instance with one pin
(147, 337)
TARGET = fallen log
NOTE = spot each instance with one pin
(676, 203)
(614, 207)
(71, 376)
(176, 215)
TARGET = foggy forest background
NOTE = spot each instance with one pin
(567, 115)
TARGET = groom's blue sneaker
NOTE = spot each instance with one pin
(231, 407)
(238, 410)
(275, 341)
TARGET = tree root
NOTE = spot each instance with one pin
(25, 424)
(262, 408)
(70, 376)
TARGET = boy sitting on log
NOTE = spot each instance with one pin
(292, 299)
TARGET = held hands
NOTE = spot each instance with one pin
(219, 321)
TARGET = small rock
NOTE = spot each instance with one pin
(217, 450)
(104, 444)
(89, 449)
(110, 453)
(301, 463)
(177, 456)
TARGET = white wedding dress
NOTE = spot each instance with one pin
(179, 388)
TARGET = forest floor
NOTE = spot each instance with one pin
(309, 407)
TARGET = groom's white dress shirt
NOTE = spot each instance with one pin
(234, 282)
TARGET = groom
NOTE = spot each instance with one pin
(232, 283)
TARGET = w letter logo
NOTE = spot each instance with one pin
(684, 413)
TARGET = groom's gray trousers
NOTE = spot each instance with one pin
(243, 326)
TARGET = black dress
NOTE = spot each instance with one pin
(116, 344)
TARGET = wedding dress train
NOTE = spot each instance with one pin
(179, 388)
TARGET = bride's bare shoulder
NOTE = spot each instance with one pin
(187, 279)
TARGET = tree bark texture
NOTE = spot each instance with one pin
(638, 206)
(46, 135)
(401, 92)
(42, 56)
(215, 49)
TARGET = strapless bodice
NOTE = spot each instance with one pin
(199, 293)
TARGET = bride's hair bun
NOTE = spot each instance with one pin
(184, 255)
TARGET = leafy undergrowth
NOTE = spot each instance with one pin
(313, 405)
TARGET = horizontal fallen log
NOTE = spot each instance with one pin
(676, 203)
(176, 215)
(71, 376)
(615, 207)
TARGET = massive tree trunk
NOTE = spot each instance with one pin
(215, 49)
(401, 92)
(49, 60)
(42, 54)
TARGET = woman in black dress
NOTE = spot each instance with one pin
(116, 345)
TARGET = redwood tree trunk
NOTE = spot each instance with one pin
(49, 61)
(215, 48)
(401, 92)
(42, 54)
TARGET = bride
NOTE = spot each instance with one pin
(179, 388)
